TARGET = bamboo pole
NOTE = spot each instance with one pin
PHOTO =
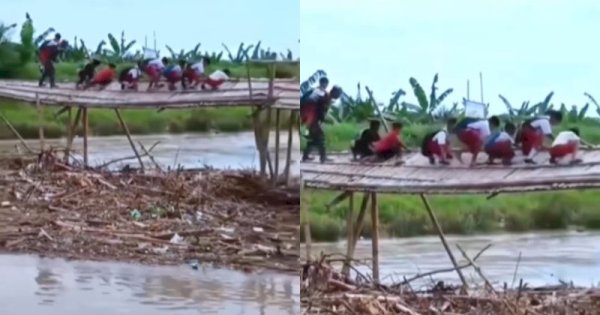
(68, 130)
(288, 156)
(15, 132)
(40, 114)
(356, 231)
(128, 134)
(349, 235)
(84, 113)
(277, 122)
(375, 236)
(438, 228)
(72, 133)
(305, 223)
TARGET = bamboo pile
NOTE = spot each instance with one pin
(326, 291)
(232, 218)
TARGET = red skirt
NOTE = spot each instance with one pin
(435, 149)
(471, 139)
(153, 73)
(307, 114)
(214, 84)
(562, 150)
(174, 77)
(531, 139)
(501, 150)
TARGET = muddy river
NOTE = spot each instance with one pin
(546, 258)
(33, 285)
(220, 150)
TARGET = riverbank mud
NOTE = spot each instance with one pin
(227, 218)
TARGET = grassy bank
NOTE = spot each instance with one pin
(104, 122)
(404, 216)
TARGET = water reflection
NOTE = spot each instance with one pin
(61, 287)
(546, 257)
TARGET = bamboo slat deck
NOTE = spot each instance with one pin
(416, 176)
(234, 93)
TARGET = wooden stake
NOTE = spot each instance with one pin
(128, 134)
(438, 228)
(40, 121)
(349, 230)
(276, 172)
(356, 231)
(72, 132)
(306, 223)
(375, 236)
(68, 134)
(84, 112)
(15, 132)
(288, 156)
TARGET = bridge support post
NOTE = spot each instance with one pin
(353, 234)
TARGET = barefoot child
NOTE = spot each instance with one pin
(129, 77)
(391, 145)
(216, 78)
(471, 133)
(194, 73)
(566, 143)
(86, 74)
(436, 145)
(153, 69)
(534, 131)
(363, 146)
(499, 145)
(173, 74)
(103, 78)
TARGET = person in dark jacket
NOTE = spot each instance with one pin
(316, 136)
(48, 55)
(363, 146)
(86, 74)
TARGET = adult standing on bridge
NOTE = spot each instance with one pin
(48, 55)
(316, 104)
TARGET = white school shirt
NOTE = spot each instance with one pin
(176, 68)
(317, 94)
(504, 136)
(157, 63)
(483, 126)
(441, 137)
(219, 75)
(542, 124)
(134, 73)
(565, 137)
(198, 67)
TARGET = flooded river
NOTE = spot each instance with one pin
(546, 257)
(33, 285)
(222, 150)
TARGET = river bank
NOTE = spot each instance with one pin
(231, 218)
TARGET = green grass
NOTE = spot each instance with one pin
(405, 216)
(104, 122)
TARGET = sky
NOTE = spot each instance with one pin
(180, 24)
(525, 49)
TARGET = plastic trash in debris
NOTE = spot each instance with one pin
(160, 250)
(5, 204)
(194, 264)
(227, 230)
(176, 239)
(135, 214)
(258, 229)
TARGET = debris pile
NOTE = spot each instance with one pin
(232, 218)
(326, 291)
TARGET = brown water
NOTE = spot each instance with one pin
(224, 150)
(32, 285)
(546, 257)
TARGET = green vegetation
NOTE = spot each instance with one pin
(404, 216)
(18, 61)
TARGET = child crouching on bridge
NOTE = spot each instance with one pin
(567, 143)
(534, 131)
(436, 145)
(363, 145)
(103, 78)
(499, 145)
(216, 78)
(129, 77)
(391, 145)
(86, 74)
(471, 133)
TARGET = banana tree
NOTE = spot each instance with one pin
(214, 56)
(426, 107)
(242, 53)
(593, 100)
(182, 55)
(394, 105)
(524, 111)
(288, 57)
(312, 80)
(119, 50)
(5, 31)
(576, 114)
(543, 106)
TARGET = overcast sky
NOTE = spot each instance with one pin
(525, 49)
(179, 23)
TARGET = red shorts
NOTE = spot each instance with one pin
(501, 150)
(531, 138)
(191, 75)
(129, 79)
(214, 84)
(562, 150)
(471, 139)
(174, 77)
(307, 114)
(103, 78)
(153, 73)
(435, 149)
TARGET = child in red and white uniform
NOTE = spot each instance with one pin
(391, 145)
(154, 68)
(194, 73)
(472, 132)
(566, 143)
(103, 78)
(174, 74)
(436, 145)
(534, 131)
(499, 145)
(216, 78)
(129, 77)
